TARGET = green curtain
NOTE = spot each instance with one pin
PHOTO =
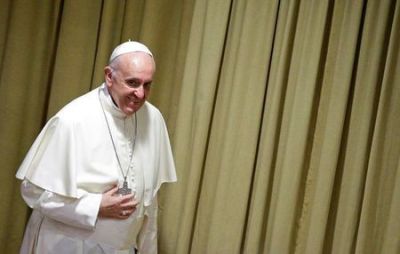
(284, 116)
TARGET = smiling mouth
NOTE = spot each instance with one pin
(134, 100)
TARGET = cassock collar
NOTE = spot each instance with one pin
(109, 105)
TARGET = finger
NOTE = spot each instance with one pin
(130, 205)
(131, 202)
(129, 212)
(112, 190)
(126, 198)
(124, 214)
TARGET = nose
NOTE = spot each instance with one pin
(139, 92)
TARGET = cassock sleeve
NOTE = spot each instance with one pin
(147, 241)
(80, 212)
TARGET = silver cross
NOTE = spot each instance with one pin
(125, 190)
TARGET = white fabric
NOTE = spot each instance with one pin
(128, 47)
(50, 209)
(80, 213)
(72, 162)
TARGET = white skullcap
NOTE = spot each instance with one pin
(128, 47)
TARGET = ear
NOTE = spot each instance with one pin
(108, 75)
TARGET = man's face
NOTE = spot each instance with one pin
(129, 79)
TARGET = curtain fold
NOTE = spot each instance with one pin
(228, 169)
(381, 195)
(284, 116)
(205, 49)
(24, 81)
(336, 80)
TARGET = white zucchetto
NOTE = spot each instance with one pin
(128, 47)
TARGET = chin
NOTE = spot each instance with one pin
(131, 111)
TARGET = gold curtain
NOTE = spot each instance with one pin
(284, 116)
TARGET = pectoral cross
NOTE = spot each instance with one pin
(125, 190)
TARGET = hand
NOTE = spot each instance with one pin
(117, 206)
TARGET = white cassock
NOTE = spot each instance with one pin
(72, 162)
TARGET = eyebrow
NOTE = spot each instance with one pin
(138, 80)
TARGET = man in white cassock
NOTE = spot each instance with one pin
(93, 173)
